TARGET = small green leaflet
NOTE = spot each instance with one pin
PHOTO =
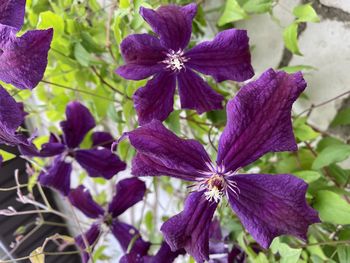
(290, 38)
(332, 207)
(306, 13)
(6, 156)
(232, 12)
(331, 154)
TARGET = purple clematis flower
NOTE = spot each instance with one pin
(128, 192)
(11, 117)
(258, 122)
(165, 57)
(23, 60)
(97, 161)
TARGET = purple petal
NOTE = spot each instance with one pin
(269, 206)
(172, 23)
(81, 198)
(190, 228)
(47, 150)
(161, 150)
(102, 139)
(227, 57)
(259, 119)
(11, 117)
(156, 99)
(128, 192)
(12, 13)
(164, 255)
(79, 122)
(196, 94)
(23, 63)
(91, 237)
(57, 176)
(129, 238)
(100, 162)
(143, 55)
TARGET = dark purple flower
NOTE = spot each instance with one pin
(97, 161)
(165, 58)
(128, 192)
(91, 237)
(23, 60)
(11, 117)
(258, 122)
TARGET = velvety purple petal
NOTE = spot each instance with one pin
(164, 255)
(79, 121)
(269, 206)
(227, 57)
(196, 94)
(103, 139)
(91, 237)
(156, 99)
(259, 119)
(129, 238)
(23, 63)
(143, 55)
(81, 198)
(57, 176)
(100, 162)
(11, 117)
(128, 192)
(47, 150)
(166, 153)
(190, 228)
(172, 23)
(12, 13)
(7, 37)
(131, 258)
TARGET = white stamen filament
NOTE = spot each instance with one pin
(215, 182)
(175, 60)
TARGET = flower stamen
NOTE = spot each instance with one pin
(175, 60)
(215, 182)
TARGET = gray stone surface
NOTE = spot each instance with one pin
(341, 4)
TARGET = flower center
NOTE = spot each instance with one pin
(175, 60)
(215, 182)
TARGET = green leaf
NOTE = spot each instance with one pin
(293, 69)
(6, 156)
(332, 207)
(258, 6)
(303, 131)
(343, 254)
(328, 141)
(342, 118)
(81, 55)
(305, 13)
(288, 254)
(290, 38)
(149, 221)
(232, 12)
(36, 256)
(331, 154)
(49, 19)
(308, 176)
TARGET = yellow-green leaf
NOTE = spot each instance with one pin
(290, 38)
(232, 12)
(306, 13)
(332, 208)
(36, 256)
